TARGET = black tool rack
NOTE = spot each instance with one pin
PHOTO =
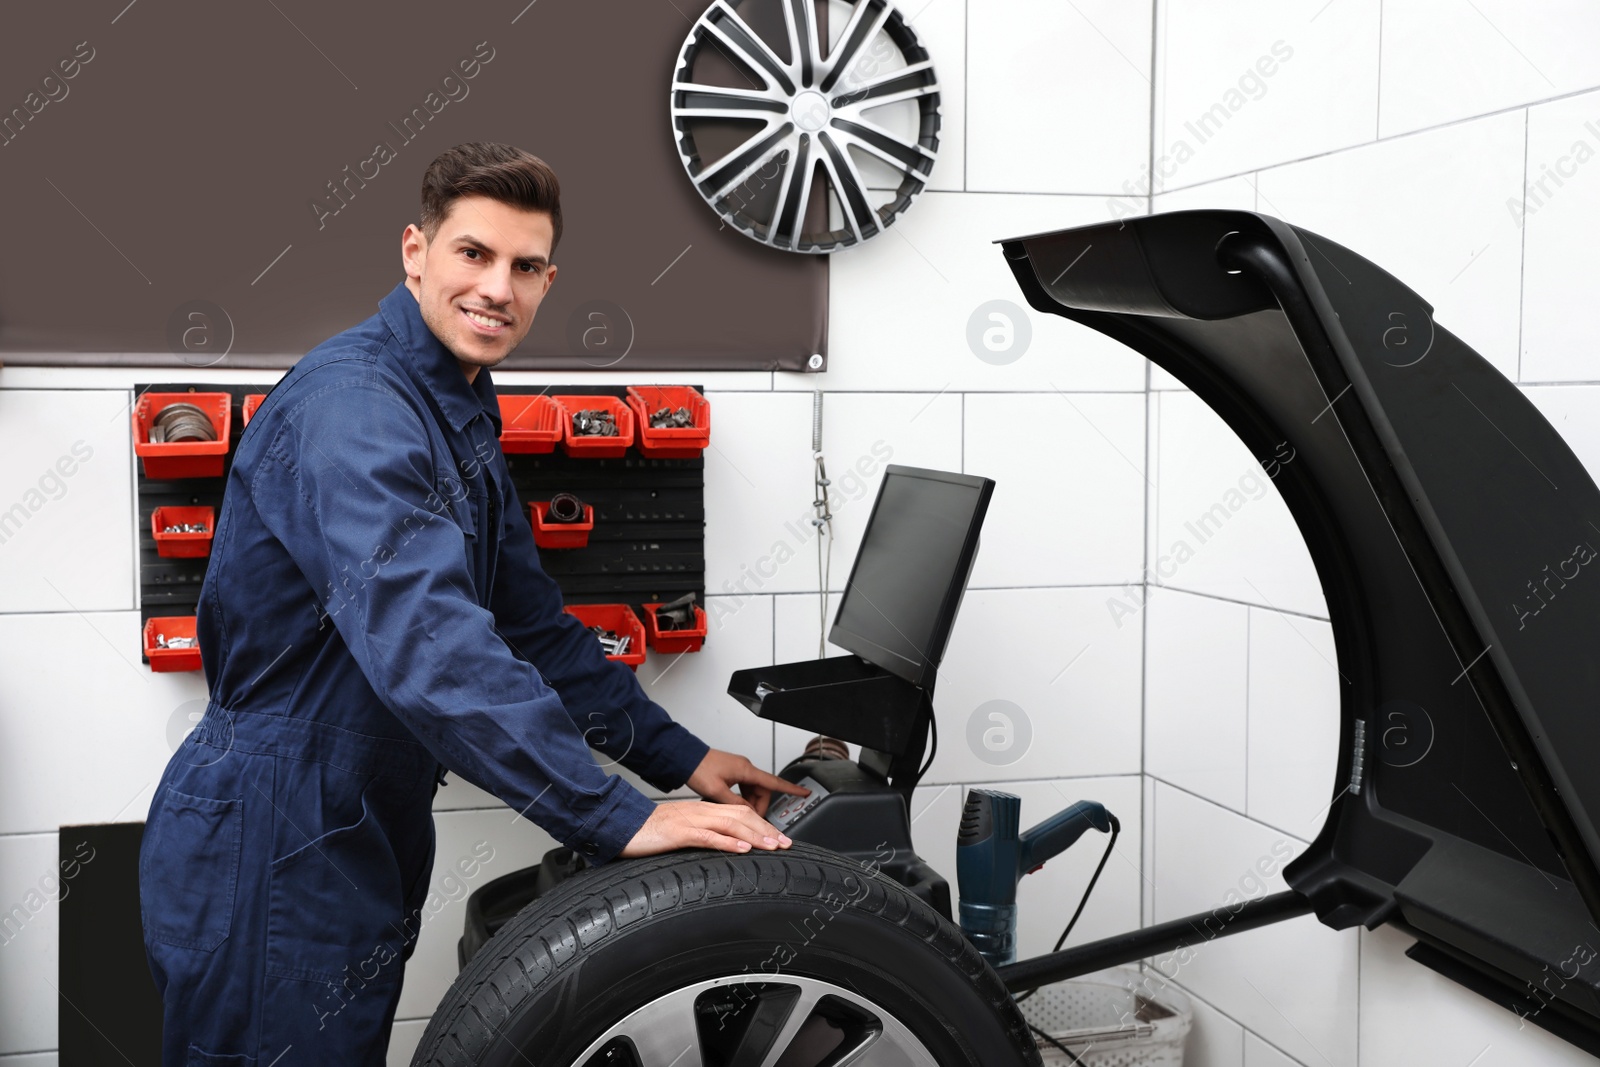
(648, 542)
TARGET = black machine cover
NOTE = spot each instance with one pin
(1457, 540)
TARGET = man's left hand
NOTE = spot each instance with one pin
(720, 771)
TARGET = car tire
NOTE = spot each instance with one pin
(797, 955)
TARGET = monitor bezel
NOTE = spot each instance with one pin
(925, 674)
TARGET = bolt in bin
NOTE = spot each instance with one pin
(251, 402)
(183, 545)
(171, 659)
(182, 459)
(595, 447)
(675, 442)
(669, 641)
(530, 423)
(548, 534)
(620, 620)
(1115, 1018)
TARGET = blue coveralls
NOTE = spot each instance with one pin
(373, 614)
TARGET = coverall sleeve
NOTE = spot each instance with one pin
(604, 697)
(349, 488)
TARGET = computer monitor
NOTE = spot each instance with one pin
(911, 570)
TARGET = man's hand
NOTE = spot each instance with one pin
(696, 824)
(720, 771)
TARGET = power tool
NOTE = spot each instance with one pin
(992, 857)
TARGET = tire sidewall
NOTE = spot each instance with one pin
(763, 937)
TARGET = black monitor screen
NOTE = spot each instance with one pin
(911, 570)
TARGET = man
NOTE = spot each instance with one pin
(373, 614)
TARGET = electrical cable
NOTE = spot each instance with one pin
(933, 748)
(1116, 829)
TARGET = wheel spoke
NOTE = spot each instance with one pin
(715, 182)
(691, 101)
(908, 83)
(865, 22)
(913, 159)
(800, 18)
(851, 188)
(799, 1012)
(882, 1048)
(664, 1032)
(747, 47)
(794, 198)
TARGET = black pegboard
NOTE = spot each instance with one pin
(648, 543)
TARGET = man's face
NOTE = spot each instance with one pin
(481, 278)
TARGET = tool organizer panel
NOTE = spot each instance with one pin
(647, 545)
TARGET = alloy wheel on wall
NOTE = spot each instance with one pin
(801, 149)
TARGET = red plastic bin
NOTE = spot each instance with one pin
(171, 659)
(685, 442)
(183, 545)
(251, 402)
(530, 423)
(596, 447)
(182, 459)
(619, 619)
(670, 641)
(548, 534)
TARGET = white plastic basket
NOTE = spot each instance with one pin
(1116, 1018)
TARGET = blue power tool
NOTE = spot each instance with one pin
(992, 857)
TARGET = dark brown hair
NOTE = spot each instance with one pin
(498, 171)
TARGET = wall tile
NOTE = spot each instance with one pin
(1196, 660)
(403, 1041)
(1047, 898)
(1256, 554)
(1257, 1053)
(29, 944)
(1294, 721)
(1442, 228)
(66, 512)
(1244, 85)
(1442, 63)
(87, 728)
(1411, 1015)
(1562, 203)
(1294, 983)
(1032, 65)
(1037, 683)
(758, 493)
(900, 306)
(1214, 1039)
(1068, 507)
(473, 848)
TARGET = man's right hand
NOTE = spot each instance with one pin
(701, 824)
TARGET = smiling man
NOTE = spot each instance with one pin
(373, 615)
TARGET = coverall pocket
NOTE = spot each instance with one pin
(197, 1058)
(189, 870)
(334, 908)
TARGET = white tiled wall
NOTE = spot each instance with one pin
(1198, 700)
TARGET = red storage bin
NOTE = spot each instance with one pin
(619, 619)
(183, 545)
(171, 659)
(530, 423)
(251, 402)
(548, 534)
(182, 459)
(669, 641)
(685, 442)
(596, 447)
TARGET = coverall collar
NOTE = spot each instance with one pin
(436, 366)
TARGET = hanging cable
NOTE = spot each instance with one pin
(823, 522)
